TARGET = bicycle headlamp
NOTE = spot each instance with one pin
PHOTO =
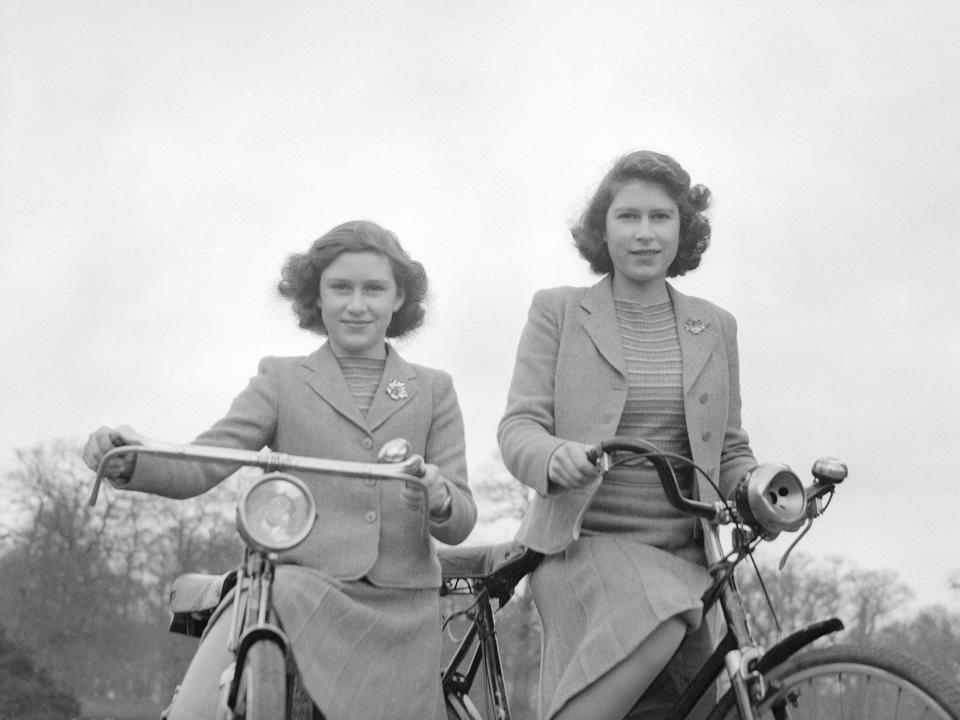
(276, 512)
(771, 499)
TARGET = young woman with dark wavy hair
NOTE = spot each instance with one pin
(619, 589)
(358, 599)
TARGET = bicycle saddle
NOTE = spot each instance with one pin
(194, 597)
(499, 567)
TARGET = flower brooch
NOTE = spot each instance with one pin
(397, 390)
(694, 326)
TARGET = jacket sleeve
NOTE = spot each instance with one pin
(526, 431)
(736, 456)
(446, 449)
(250, 424)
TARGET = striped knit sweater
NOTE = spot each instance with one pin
(632, 500)
(363, 378)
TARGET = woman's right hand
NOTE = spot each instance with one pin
(570, 467)
(105, 439)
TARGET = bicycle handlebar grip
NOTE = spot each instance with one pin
(98, 481)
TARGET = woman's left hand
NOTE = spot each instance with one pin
(437, 491)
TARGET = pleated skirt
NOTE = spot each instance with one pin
(599, 599)
(363, 651)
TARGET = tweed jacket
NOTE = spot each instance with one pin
(569, 383)
(303, 406)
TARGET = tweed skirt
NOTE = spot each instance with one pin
(363, 651)
(599, 599)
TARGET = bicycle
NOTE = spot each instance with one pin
(275, 513)
(781, 683)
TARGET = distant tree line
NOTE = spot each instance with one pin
(84, 589)
(83, 592)
(869, 603)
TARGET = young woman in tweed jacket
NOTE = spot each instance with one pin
(358, 598)
(619, 591)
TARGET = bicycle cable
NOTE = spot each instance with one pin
(465, 612)
(635, 457)
(766, 595)
(638, 456)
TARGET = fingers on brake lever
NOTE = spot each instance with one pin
(594, 454)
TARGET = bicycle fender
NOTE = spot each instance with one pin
(254, 634)
(794, 642)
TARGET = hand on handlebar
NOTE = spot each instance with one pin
(437, 490)
(105, 439)
(570, 467)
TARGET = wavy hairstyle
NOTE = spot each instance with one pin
(300, 276)
(589, 234)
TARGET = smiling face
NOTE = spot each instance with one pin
(358, 296)
(642, 236)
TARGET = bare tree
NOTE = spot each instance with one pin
(86, 588)
(498, 494)
(933, 636)
(808, 590)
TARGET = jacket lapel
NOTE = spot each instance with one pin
(600, 322)
(698, 335)
(325, 378)
(397, 388)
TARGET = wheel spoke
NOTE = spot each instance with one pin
(847, 683)
(849, 693)
(812, 693)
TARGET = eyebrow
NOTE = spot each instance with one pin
(665, 208)
(366, 281)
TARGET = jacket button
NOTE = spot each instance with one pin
(370, 516)
(705, 435)
(366, 443)
(703, 398)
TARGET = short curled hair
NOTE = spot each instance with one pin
(300, 276)
(589, 234)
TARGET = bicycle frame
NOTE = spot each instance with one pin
(486, 653)
(737, 653)
(486, 573)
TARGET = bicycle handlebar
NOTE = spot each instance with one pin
(770, 498)
(407, 470)
(668, 477)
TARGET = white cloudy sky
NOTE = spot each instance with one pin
(159, 159)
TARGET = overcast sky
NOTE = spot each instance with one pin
(159, 160)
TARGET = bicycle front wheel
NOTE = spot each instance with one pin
(846, 682)
(262, 694)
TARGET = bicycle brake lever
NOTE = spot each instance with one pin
(786, 555)
(597, 456)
